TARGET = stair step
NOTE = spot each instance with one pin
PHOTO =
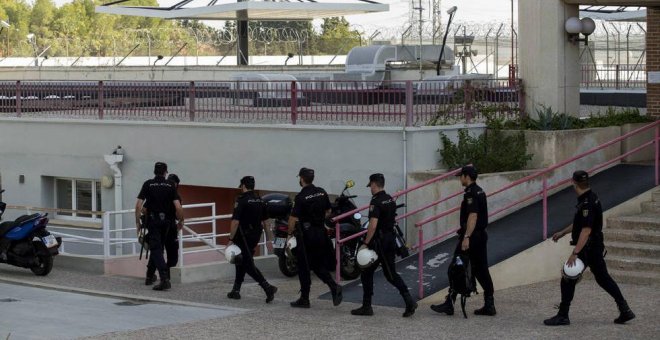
(648, 221)
(634, 277)
(635, 249)
(627, 235)
(651, 207)
(656, 196)
(639, 264)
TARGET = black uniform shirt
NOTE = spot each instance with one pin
(383, 207)
(249, 210)
(160, 195)
(589, 214)
(310, 205)
(474, 201)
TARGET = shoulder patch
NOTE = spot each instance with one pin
(469, 200)
(371, 208)
(235, 204)
(585, 212)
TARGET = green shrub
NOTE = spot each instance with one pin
(493, 151)
(612, 117)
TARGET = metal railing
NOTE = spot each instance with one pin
(614, 76)
(399, 103)
(543, 193)
(336, 219)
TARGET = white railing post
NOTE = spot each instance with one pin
(106, 235)
(180, 262)
(213, 222)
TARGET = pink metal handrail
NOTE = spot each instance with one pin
(544, 192)
(336, 219)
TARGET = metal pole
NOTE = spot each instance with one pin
(420, 261)
(421, 71)
(106, 235)
(657, 155)
(545, 207)
(513, 61)
(337, 253)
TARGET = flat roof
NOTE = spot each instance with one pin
(251, 10)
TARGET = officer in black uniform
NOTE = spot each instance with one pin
(246, 229)
(171, 244)
(163, 208)
(381, 238)
(587, 237)
(473, 239)
(314, 249)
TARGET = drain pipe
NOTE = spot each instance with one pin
(405, 178)
(113, 161)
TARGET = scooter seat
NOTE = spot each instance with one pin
(26, 218)
(5, 227)
(348, 228)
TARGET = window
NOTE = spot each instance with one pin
(77, 194)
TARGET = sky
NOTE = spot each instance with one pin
(484, 11)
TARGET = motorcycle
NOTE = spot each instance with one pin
(26, 243)
(279, 208)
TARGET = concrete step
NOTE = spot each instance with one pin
(651, 207)
(656, 196)
(630, 277)
(627, 235)
(634, 249)
(639, 264)
(647, 221)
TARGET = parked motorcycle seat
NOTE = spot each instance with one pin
(26, 218)
(5, 227)
(348, 228)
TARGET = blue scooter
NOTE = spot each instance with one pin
(26, 243)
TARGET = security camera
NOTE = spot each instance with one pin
(452, 10)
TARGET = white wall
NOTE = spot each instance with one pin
(215, 155)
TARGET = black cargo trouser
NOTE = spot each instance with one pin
(478, 254)
(161, 233)
(247, 239)
(592, 256)
(313, 252)
(385, 246)
(171, 247)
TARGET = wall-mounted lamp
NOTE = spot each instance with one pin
(574, 26)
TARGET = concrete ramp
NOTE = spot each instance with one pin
(509, 235)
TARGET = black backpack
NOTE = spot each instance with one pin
(461, 280)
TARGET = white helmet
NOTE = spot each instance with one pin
(575, 272)
(233, 254)
(366, 257)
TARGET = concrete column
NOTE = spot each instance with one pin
(653, 61)
(548, 63)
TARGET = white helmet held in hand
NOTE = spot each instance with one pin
(366, 257)
(290, 245)
(233, 254)
(575, 272)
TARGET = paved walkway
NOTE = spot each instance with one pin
(520, 312)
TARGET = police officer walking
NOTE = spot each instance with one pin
(472, 240)
(246, 229)
(160, 200)
(381, 238)
(171, 243)
(587, 237)
(313, 246)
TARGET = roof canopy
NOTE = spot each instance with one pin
(250, 10)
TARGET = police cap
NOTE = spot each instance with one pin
(248, 181)
(580, 176)
(469, 171)
(378, 178)
(160, 168)
(306, 172)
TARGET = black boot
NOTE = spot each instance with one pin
(488, 308)
(625, 313)
(234, 294)
(163, 285)
(561, 319)
(150, 280)
(411, 305)
(269, 290)
(302, 302)
(337, 295)
(447, 307)
(366, 309)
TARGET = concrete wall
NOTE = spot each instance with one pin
(646, 155)
(213, 155)
(548, 62)
(447, 187)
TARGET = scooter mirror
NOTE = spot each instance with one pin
(349, 184)
(357, 216)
